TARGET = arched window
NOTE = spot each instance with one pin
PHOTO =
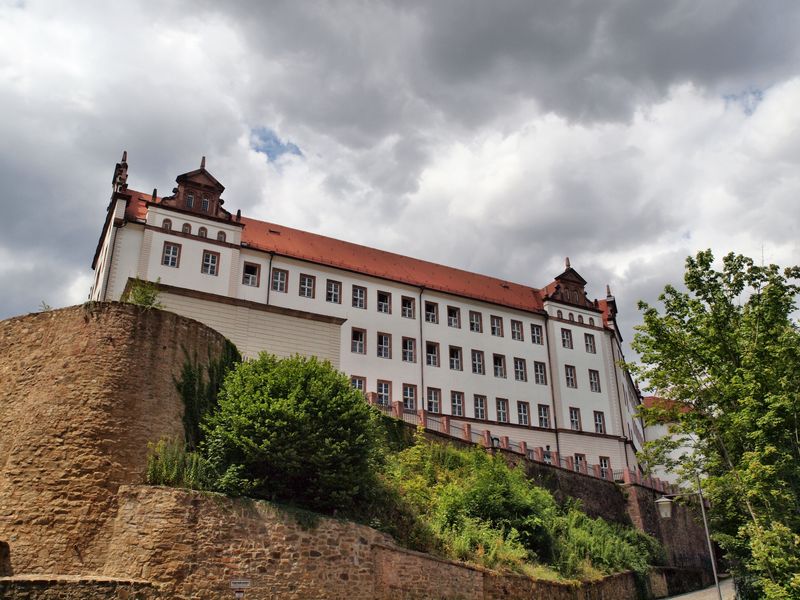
(221, 236)
(571, 317)
(202, 232)
(186, 228)
(580, 318)
(591, 321)
(560, 315)
(166, 225)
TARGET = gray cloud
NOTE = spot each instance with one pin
(495, 137)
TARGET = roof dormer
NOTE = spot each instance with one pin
(198, 191)
(570, 288)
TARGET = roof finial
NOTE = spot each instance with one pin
(567, 261)
(155, 194)
(203, 163)
(608, 290)
(124, 156)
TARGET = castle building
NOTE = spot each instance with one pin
(533, 365)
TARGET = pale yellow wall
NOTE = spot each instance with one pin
(255, 330)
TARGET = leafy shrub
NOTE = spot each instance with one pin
(293, 430)
(168, 463)
(143, 293)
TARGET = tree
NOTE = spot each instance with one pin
(294, 430)
(728, 349)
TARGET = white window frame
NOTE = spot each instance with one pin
(479, 406)
(333, 291)
(544, 416)
(520, 369)
(359, 296)
(501, 408)
(457, 403)
(280, 280)
(434, 397)
(516, 331)
(523, 413)
(537, 334)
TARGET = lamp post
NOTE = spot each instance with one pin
(664, 505)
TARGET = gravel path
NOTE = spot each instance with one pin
(709, 593)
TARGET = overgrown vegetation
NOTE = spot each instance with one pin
(728, 349)
(295, 431)
(143, 293)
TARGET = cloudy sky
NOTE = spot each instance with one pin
(498, 137)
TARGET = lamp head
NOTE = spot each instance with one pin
(664, 506)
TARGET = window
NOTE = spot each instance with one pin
(455, 358)
(591, 321)
(499, 362)
(569, 372)
(580, 462)
(359, 297)
(516, 330)
(280, 279)
(171, 255)
(536, 334)
(407, 307)
(457, 404)
(202, 232)
(166, 225)
(559, 314)
(432, 354)
(475, 322)
(575, 418)
(539, 373)
(189, 200)
(384, 392)
(544, 416)
(605, 466)
(409, 396)
(431, 312)
(523, 413)
(594, 380)
(501, 404)
(186, 229)
(496, 325)
(599, 422)
(434, 400)
(453, 317)
(566, 338)
(359, 383)
(409, 350)
(210, 264)
(333, 292)
(520, 369)
(307, 285)
(571, 317)
(251, 275)
(358, 342)
(590, 347)
(204, 204)
(384, 345)
(477, 362)
(220, 236)
(384, 302)
(480, 407)
(580, 318)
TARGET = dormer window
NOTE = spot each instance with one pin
(187, 229)
(221, 236)
(202, 232)
(189, 200)
(204, 204)
(166, 225)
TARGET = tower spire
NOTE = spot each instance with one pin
(203, 163)
(567, 262)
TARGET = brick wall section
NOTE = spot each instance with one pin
(82, 391)
(683, 535)
(76, 588)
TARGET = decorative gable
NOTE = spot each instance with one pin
(198, 191)
(570, 288)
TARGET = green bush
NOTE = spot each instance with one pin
(168, 463)
(143, 293)
(293, 430)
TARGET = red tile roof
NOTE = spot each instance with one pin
(387, 265)
(665, 404)
(324, 250)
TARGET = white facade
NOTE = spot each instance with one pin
(585, 400)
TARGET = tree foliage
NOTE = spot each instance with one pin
(293, 430)
(728, 349)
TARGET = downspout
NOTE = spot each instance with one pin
(619, 405)
(421, 354)
(553, 375)
(269, 275)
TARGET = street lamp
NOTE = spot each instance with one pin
(664, 505)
